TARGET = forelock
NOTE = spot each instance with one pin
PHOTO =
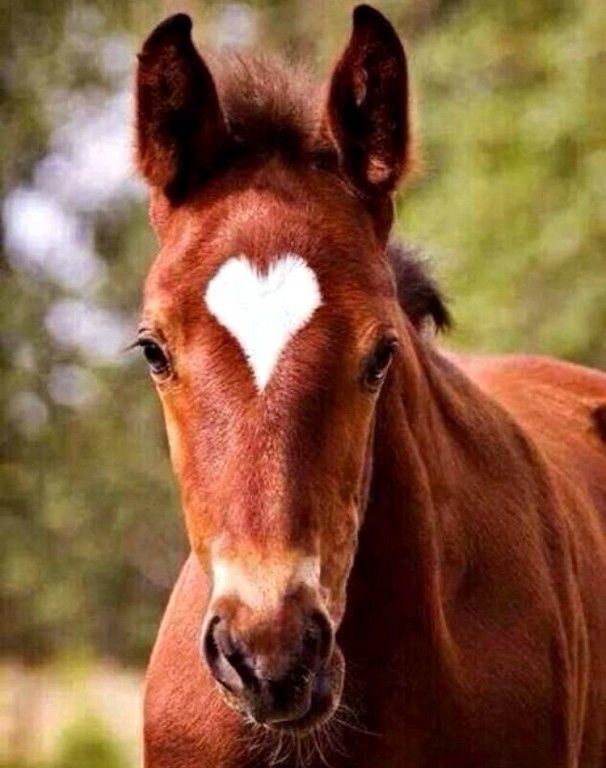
(270, 106)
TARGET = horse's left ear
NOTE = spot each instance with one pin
(367, 110)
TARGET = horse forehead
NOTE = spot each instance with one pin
(201, 236)
(262, 219)
(259, 265)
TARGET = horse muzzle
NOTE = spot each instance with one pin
(286, 677)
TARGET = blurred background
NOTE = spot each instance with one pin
(510, 206)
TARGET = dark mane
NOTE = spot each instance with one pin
(271, 106)
(418, 292)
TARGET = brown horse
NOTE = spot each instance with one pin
(398, 556)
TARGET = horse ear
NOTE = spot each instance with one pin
(180, 127)
(367, 111)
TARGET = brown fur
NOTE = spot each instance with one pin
(458, 513)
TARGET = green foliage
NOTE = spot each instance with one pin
(87, 744)
(91, 537)
(83, 744)
(512, 199)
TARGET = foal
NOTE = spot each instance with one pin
(398, 557)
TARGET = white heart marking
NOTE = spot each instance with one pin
(263, 312)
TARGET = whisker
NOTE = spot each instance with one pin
(315, 735)
(333, 733)
(348, 717)
(277, 757)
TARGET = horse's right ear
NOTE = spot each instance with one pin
(180, 127)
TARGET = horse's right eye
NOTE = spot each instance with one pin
(155, 356)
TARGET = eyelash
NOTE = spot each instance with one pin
(378, 363)
(156, 357)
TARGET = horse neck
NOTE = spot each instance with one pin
(440, 446)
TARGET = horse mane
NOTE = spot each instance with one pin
(272, 106)
(418, 293)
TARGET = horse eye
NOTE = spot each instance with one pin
(156, 359)
(378, 363)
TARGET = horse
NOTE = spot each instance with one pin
(398, 554)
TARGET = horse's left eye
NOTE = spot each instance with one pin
(378, 363)
(155, 356)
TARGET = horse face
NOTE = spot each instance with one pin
(269, 345)
(269, 324)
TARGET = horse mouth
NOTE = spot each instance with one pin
(324, 700)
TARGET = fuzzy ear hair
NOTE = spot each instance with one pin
(180, 128)
(367, 112)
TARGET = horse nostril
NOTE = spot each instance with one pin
(209, 644)
(214, 642)
(318, 640)
(224, 660)
(239, 662)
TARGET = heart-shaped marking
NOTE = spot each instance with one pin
(263, 311)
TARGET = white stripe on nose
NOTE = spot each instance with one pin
(262, 583)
